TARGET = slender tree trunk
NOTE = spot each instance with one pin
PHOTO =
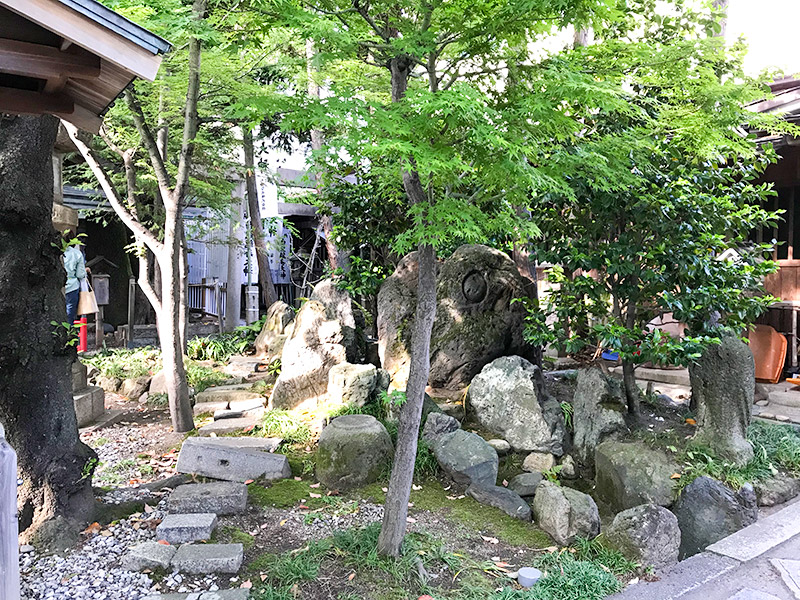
(268, 293)
(395, 509)
(337, 259)
(35, 384)
(183, 279)
(632, 393)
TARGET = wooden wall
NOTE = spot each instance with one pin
(785, 283)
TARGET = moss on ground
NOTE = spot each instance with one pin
(282, 494)
(233, 535)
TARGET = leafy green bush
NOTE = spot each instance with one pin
(201, 377)
(124, 363)
(287, 425)
(221, 347)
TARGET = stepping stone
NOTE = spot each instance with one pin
(150, 555)
(201, 559)
(227, 395)
(209, 407)
(233, 459)
(221, 498)
(751, 594)
(237, 594)
(186, 527)
(790, 573)
(228, 426)
(228, 414)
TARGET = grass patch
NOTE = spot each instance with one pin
(201, 377)
(124, 363)
(282, 494)
(159, 400)
(776, 448)
(287, 425)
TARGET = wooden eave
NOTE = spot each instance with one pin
(70, 58)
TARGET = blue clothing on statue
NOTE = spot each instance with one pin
(75, 267)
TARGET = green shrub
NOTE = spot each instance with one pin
(220, 347)
(287, 425)
(201, 377)
(124, 363)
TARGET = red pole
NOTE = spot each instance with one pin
(83, 335)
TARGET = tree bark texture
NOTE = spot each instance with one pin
(35, 383)
(395, 509)
(268, 294)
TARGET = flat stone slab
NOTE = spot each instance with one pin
(790, 573)
(681, 579)
(228, 426)
(149, 555)
(201, 408)
(671, 376)
(233, 459)
(217, 394)
(208, 558)
(90, 404)
(186, 527)
(220, 497)
(751, 594)
(764, 534)
(237, 594)
(226, 413)
(790, 399)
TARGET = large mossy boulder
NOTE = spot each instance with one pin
(328, 330)
(476, 318)
(628, 474)
(707, 511)
(564, 513)
(723, 384)
(508, 398)
(466, 457)
(647, 534)
(599, 410)
(354, 450)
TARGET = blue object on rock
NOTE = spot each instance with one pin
(609, 355)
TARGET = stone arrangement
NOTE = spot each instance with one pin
(89, 400)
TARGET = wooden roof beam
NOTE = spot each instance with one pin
(46, 62)
(25, 102)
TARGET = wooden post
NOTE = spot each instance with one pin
(203, 289)
(218, 302)
(131, 309)
(98, 328)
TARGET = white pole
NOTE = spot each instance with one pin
(9, 527)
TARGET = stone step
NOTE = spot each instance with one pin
(237, 594)
(186, 527)
(220, 497)
(149, 555)
(233, 459)
(791, 399)
(89, 404)
(201, 559)
(216, 394)
(228, 426)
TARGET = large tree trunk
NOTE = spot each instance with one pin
(35, 383)
(268, 294)
(395, 509)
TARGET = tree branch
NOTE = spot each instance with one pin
(130, 221)
(162, 176)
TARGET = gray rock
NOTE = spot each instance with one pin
(355, 385)
(187, 527)
(80, 376)
(466, 457)
(90, 404)
(628, 474)
(250, 420)
(502, 447)
(133, 388)
(353, 450)
(503, 498)
(708, 511)
(476, 320)
(565, 514)
(226, 413)
(776, 490)
(235, 397)
(201, 559)
(647, 534)
(325, 334)
(279, 316)
(525, 484)
(158, 383)
(723, 384)
(149, 555)
(538, 462)
(437, 425)
(109, 384)
(508, 398)
(599, 410)
(221, 498)
(568, 469)
(760, 393)
(233, 459)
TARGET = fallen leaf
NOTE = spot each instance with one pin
(313, 495)
(314, 485)
(675, 476)
(249, 481)
(106, 533)
(505, 483)
(410, 520)
(281, 524)
(304, 507)
(263, 577)
(691, 422)
(491, 540)
(148, 509)
(246, 585)
(410, 505)
(93, 528)
(163, 542)
(298, 479)
(416, 487)
(351, 576)
(384, 490)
